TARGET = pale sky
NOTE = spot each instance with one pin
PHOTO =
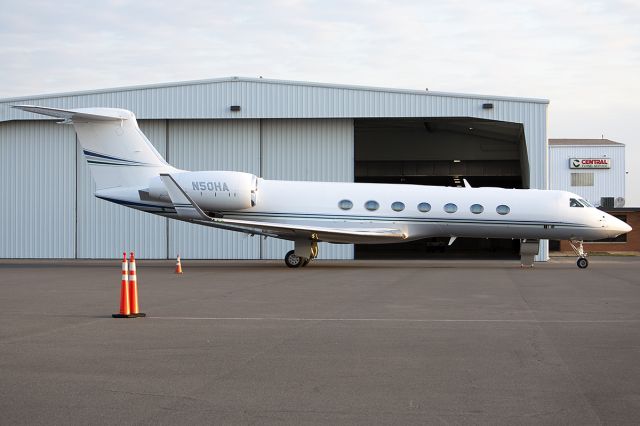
(584, 56)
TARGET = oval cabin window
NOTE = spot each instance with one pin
(345, 204)
(502, 209)
(424, 207)
(450, 208)
(476, 209)
(397, 206)
(371, 205)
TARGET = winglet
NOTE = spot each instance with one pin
(466, 184)
(184, 205)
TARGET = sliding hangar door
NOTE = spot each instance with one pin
(442, 152)
(303, 149)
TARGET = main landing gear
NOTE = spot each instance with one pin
(305, 251)
(579, 250)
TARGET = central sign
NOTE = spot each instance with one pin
(589, 163)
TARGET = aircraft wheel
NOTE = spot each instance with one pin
(292, 260)
(305, 262)
(582, 263)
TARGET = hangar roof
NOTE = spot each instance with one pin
(265, 98)
(583, 142)
(272, 81)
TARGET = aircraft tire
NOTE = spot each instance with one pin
(291, 260)
(305, 262)
(582, 263)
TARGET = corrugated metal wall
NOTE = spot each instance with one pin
(42, 158)
(607, 182)
(105, 229)
(213, 145)
(315, 150)
(38, 177)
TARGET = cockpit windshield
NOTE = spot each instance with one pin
(574, 203)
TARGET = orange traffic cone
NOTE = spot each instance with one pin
(133, 288)
(178, 266)
(125, 311)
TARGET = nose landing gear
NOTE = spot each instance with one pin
(579, 251)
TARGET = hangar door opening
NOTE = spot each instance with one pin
(442, 152)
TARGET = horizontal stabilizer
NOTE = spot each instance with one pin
(79, 115)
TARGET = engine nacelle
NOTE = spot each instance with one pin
(211, 190)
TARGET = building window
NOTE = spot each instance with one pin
(371, 205)
(581, 179)
(345, 204)
(397, 206)
(450, 208)
(424, 207)
(476, 209)
(502, 209)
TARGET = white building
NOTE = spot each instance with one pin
(274, 129)
(592, 168)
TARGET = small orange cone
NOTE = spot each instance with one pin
(133, 289)
(178, 266)
(125, 311)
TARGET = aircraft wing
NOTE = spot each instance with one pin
(291, 231)
(187, 209)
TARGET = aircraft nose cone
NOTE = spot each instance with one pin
(618, 227)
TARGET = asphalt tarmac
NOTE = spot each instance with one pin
(361, 342)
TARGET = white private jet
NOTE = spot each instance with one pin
(129, 171)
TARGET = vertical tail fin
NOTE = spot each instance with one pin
(118, 153)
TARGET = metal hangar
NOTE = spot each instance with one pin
(274, 129)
